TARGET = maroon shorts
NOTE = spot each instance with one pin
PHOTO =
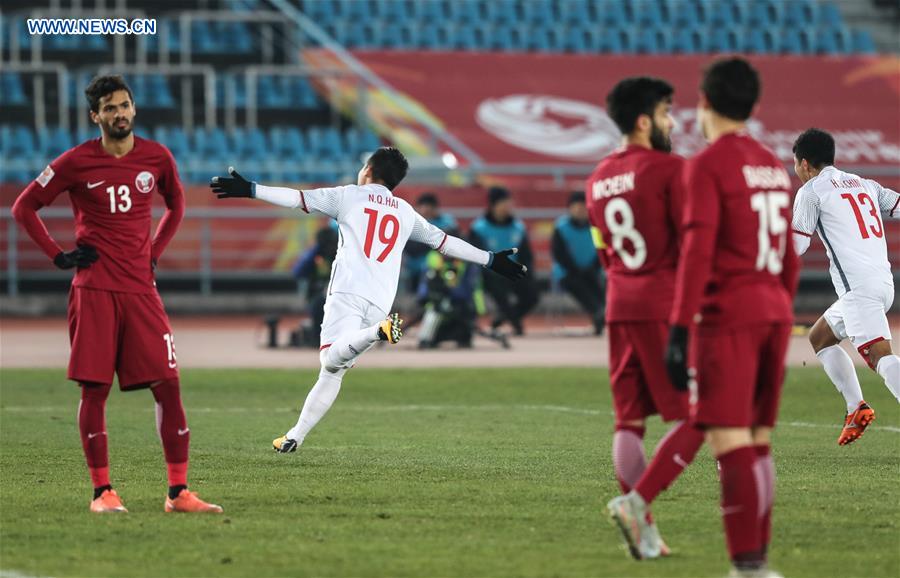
(740, 371)
(123, 333)
(637, 371)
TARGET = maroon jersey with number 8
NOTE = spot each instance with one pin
(634, 198)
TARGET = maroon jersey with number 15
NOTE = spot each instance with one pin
(634, 198)
(112, 200)
(738, 263)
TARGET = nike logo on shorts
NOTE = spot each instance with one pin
(93, 435)
(95, 185)
(181, 432)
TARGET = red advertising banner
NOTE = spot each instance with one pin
(549, 108)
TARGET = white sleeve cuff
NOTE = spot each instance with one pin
(456, 248)
(281, 196)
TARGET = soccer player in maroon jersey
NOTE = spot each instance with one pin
(117, 323)
(635, 201)
(737, 275)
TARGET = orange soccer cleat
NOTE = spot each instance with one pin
(856, 423)
(108, 503)
(188, 501)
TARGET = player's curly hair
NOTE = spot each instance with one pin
(632, 97)
(388, 166)
(102, 86)
(816, 146)
(732, 87)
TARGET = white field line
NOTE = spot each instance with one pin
(16, 574)
(416, 408)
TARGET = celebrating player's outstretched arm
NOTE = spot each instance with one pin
(236, 187)
(374, 227)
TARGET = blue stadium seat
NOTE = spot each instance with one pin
(203, 41)
(863, 43)
(425, 13)
(764, 13)
(653, 41)
(800, 13)
(576, 12)
(249, 143)
(830, 16)
(239, 40)
(17, 141)
(437, 37)
(685, 15)
(798, 42)
(175, 140)
(834, 42)
(502, 12)
(612, 14)
(472, 38)
(725, 39)
(391, 11)
(647, 14)
(325, 143)
(288, 143)
(11, 91)
(538, 12)
(211, 143)
(466, 12)
(724, 14)
(689, 41)
(408, 35)
(762, 41)
(54, 141)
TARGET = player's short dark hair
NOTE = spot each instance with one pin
(732, 87)
(816, 146)
(102, 86)
(429, 199)
(388, 166)
(575, 197)
(634, 96)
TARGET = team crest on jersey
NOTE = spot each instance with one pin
(45, 177)
(144, 181)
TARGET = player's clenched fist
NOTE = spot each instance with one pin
(81, 257)
(233, 187)
(501, 264)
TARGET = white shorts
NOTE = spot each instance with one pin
(346, 313)
(860, 315)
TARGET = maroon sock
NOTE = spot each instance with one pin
(765, 472)
(171, 424)
(740, 506)
(92, 428)
(628, 455)
(674, 452)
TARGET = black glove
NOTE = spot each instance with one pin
(233, 187)
(501, 264)
(676, 357)
(81, 257)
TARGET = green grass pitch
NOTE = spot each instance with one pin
(455, 472)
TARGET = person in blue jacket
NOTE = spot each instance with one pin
(575, 263)
(415, 254)
(500, 228)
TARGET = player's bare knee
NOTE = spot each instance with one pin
(725, 439)
(821, 335)
(878, 350)
(762, 436)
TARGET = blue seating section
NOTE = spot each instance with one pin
(607, 26)
(154, 91)
(276, 154)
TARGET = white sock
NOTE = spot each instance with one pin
(320, 399)
(839, 368)
(889, 368)
(347, 348)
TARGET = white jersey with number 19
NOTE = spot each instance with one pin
(374, 227)
(846, 211)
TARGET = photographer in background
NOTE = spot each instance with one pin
(575, 262)
(314, 268)
(500, 228)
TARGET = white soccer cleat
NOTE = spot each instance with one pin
(629, 512)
